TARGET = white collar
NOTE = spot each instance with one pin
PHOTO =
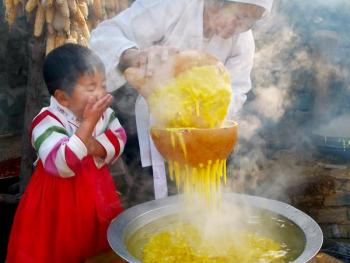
(67, 113)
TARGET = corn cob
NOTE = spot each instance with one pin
(109, 6)
(104, 13)
(50, 42)
(74, 34)
(10, 15)
(30, 5)
(72, 6)
(85, 30)
(49, 3)
(71, 40)
(58, 22)
(79, 17)
(64, 9)
(67, 21)
(84, 9)
(59, 39)
(59, 2)
(82, 41)
(39, 21)
(49, 14)
(97, 8)
(67, 25)
(50, 29)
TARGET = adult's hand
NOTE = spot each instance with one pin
(173, 66)
(147, 59)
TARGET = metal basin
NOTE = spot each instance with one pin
(122, 228)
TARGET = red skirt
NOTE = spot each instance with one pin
(64, 220)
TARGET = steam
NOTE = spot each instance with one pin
(301, 82)
(296, 77)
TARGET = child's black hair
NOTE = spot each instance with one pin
(65, 64)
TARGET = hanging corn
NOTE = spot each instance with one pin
(64, 21)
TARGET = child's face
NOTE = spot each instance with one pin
(87, 86)
(234, 18)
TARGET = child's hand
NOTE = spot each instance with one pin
(95, 148)
(96, 107)
(92, 113)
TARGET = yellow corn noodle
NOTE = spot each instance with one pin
(186, 244)
(197, 98)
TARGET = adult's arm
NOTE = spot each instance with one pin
(240, 65)
(142, 25)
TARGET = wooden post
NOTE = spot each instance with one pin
(36, 98)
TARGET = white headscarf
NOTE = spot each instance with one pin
(267, 4)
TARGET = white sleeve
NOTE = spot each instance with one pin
(142, 25)
(240, 66)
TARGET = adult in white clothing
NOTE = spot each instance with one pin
(145, 34)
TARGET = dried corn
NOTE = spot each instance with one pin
(49, 14)
(97, 8)
(72, 6)
(67, 25)
(10, 15)
(50, 42)
(50, 29)
(82, 41)
(79, 17)
(74, 34)
(67, 21)
(71, 40)
(49, 3)
(64, 9)
(85, 30)
(59, 39)
(39, 21)
(84, 9)
(30, 5)
(58, 22)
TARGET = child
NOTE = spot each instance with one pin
(65, 211)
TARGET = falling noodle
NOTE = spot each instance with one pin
(197, 98)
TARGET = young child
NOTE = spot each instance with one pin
(65, 211)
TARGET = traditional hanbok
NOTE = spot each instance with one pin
(71, 198)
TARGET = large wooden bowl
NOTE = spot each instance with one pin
(199, 145)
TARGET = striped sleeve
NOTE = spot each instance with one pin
(113, 139)
(60, 154)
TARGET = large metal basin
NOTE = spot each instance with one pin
(126, 224)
